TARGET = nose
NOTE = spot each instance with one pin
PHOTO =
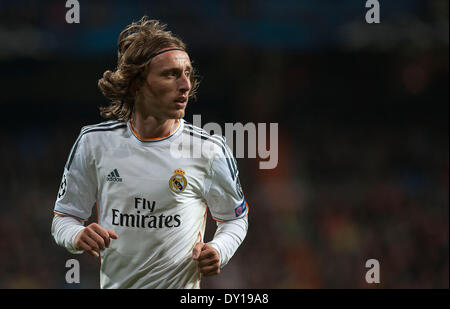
(184, 83)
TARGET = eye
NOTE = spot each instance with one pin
(170, 74)
(187, 73)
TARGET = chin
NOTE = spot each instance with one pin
(177, 114)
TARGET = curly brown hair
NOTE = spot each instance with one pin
(136, 45)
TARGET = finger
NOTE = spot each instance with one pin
(197, 250)
(112, 234)
(97, 238)
(81, 245)
(88, 249)
(107, 241)
(103, 233)
(210, 270)
(90, 242)
(94, 253)
(207, 254)
(208, 262)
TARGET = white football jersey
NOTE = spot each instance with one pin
(154, 193)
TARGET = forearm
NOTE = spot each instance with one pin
(64, 231)
(228, 237)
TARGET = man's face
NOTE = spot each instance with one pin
(166, 89)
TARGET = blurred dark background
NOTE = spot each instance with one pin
(363, 132)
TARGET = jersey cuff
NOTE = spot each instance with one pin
(62, 214)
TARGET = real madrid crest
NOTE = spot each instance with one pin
(178, 182)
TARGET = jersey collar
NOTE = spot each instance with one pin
(156, 139)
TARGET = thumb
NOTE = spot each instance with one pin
(112, 234)
(197, 249)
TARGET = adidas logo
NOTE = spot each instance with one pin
(114, 176)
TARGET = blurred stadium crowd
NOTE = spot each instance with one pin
(363, 134)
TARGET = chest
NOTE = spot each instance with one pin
(148, 174)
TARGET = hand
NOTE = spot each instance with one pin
(208, 259)
(94, 238)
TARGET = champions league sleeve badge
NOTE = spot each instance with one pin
(240, 209)
(178, 182)
(62, 187)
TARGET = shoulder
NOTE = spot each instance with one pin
(111, 125)
(101, 131)
(102, 128)
(197, 134)
(200, 134)
(82, 144)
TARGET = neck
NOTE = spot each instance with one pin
(151, 127)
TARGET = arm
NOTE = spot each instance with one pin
(70, 233)
(228, 237)
(223, 194)
(214, 255)
(77, 194)
(64, 231)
